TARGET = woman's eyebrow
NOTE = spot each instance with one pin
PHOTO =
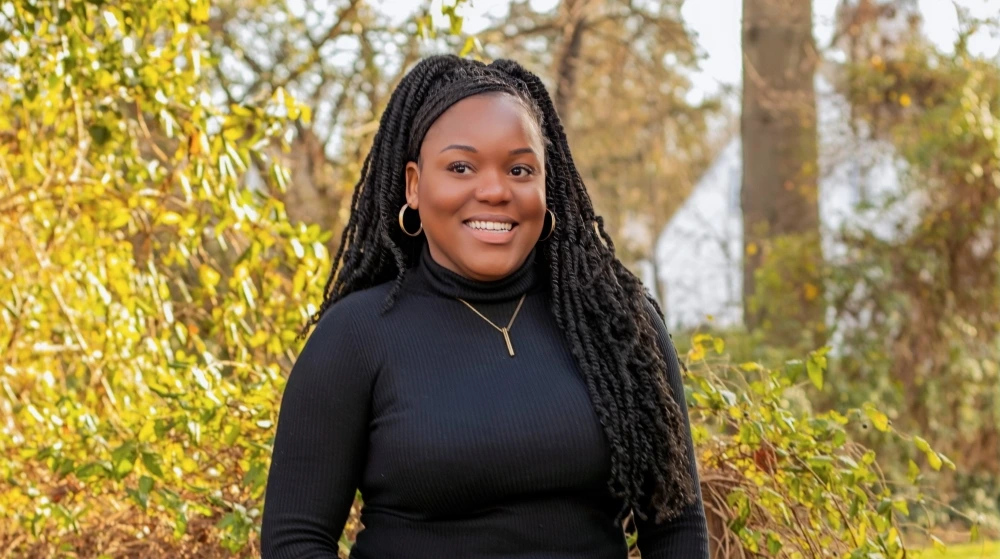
(461, 147)
(471, 149)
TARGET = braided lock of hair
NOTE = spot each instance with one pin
(597, 303)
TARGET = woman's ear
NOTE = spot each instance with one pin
(412, 179)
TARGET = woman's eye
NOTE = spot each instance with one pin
(522, 171)
(459, 168)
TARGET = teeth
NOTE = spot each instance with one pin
(491, 225)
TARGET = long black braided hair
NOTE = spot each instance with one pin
(598, 304)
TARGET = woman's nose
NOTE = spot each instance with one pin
(493, 190)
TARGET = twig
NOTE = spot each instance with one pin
(142, 125)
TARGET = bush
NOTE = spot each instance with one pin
(785, 481)
(151, 289)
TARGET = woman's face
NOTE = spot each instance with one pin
(480, 186)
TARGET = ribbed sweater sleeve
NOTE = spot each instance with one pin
(320, 444)
(686, 536)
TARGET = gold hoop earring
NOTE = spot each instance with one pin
(552, 227)
(403, 227)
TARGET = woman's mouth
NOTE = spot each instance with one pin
(493, 231)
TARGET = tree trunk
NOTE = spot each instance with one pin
(782, 257)
(573, 21)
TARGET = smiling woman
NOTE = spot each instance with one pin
(483, 367)
(482, 200)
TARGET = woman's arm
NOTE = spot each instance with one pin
(320, 445)
(686, 536)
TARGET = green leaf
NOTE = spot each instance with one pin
(100, 133)
(153, 463)
(180, 524)
(815, 373)
(884, 506)
(773, 544)
(141, 495)
(913, 472)
(232, 432)
(92, 469)
(902, 507)
(794, 368)
(256, 476)
(123, 458)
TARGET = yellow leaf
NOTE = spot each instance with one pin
(938, 544)
(904, 100)
(752, 248)
(208, 276)
(120, 219)
(696, 353)
(148, 432)
(934, 460)
(259, 338)
(199, 11)
(810, 292)
(947, 462)
(170, 218)
(195, 144)
(467, 48)
(240, 273)
(879, 419)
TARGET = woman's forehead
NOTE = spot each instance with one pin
(485, 118)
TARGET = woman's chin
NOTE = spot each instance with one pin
(492, 265)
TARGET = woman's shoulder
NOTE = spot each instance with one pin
(652, 314)
(355, 313)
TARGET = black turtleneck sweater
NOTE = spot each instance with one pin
(459, 450)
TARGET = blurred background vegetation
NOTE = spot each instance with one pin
(172, 175)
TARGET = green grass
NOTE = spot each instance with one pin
(982, 550)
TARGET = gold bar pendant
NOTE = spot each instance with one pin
(506, 337)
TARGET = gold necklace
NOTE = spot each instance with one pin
(505, 330)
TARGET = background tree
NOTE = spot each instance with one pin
(782, 254)
(920, 306)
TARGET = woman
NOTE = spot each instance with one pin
(483, 368)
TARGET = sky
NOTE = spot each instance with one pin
(716, 24)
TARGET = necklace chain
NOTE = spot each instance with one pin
(503, 330)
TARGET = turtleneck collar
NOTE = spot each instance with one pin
(450, 284)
